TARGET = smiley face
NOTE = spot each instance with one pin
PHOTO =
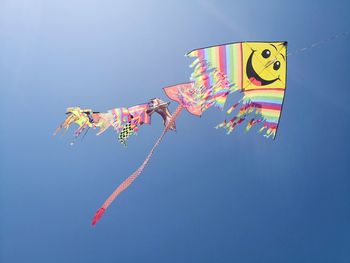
(265, 65)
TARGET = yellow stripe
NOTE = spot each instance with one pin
(266, 96)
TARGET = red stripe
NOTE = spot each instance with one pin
(269, 106)
(271, 125)
(222, 53)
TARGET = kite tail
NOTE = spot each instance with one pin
(128, 181)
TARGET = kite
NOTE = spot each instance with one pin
(256, 71)
(125, 121)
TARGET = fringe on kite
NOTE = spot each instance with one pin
(214, 88)
(251, 112)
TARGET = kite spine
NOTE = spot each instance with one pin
(128, 181)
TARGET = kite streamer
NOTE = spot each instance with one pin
(128, 181)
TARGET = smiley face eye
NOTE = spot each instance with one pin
(276, 65)
(266, 53)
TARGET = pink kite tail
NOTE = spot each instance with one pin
(128, 181)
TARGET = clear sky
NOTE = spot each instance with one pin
(206, 196)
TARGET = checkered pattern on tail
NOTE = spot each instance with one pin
(126, 132)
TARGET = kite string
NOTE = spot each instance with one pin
(343, 34)
(128, 181)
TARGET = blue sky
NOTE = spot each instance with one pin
(205, 197)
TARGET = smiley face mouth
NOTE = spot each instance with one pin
(253, 76)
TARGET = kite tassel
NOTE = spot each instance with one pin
(99, 213)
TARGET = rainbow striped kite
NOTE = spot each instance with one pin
(255, 70)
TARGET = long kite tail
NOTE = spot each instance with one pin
(128, 181)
